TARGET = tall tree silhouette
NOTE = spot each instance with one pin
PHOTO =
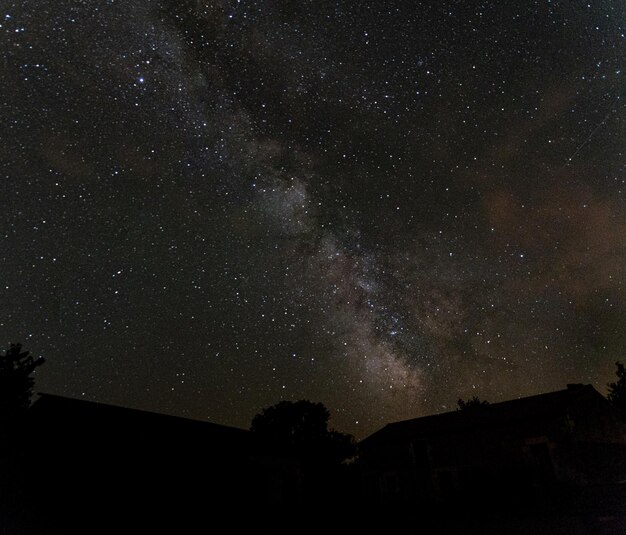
(617, 390)
(300, 429)
(16, 383)
(323, 485)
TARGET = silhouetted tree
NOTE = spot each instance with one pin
(473, 403)
(300, 429)
(617, 390)
(16, 383)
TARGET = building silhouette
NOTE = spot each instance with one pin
(517, 451)
(79, 466)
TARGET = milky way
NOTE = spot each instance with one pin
(208, 207)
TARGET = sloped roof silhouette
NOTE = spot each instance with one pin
(542, 405)
(61, 413)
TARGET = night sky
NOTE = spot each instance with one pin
(207, 207)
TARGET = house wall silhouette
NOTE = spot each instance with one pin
(504, 451)
(88, 467)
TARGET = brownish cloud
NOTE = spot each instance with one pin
(574, 239)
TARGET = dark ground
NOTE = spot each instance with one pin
(597, 510)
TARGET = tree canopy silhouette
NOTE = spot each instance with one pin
(470, 404)
(617, 390)
(300, 429)
(16, 383)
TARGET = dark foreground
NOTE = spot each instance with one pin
(599, 510)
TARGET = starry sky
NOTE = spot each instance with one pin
(210, 206)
